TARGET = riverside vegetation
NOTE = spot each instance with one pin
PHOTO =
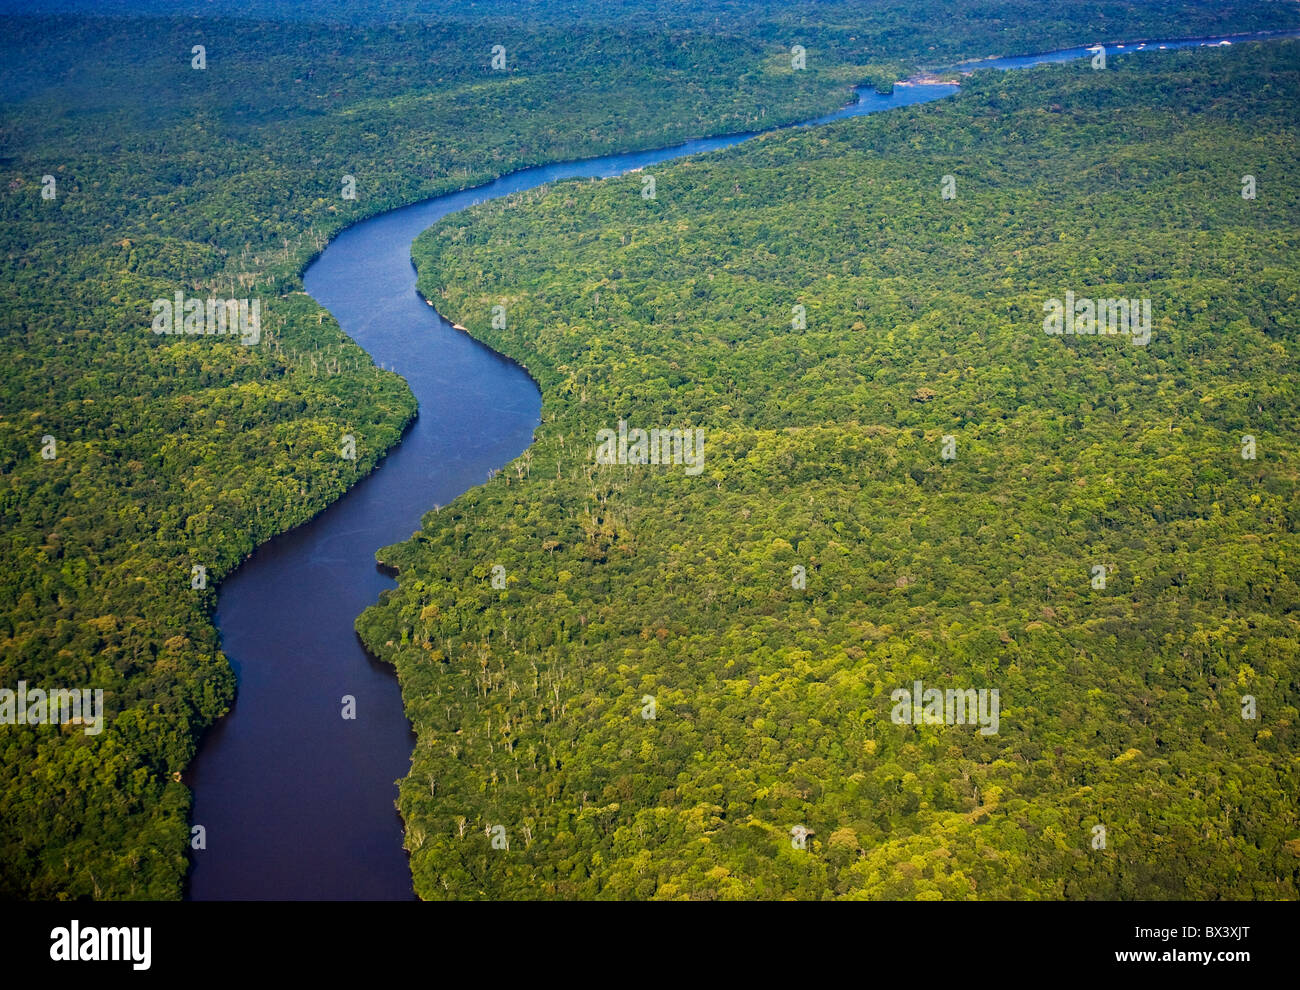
(652, 703)
(177, 452)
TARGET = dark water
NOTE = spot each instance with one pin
(297, 802)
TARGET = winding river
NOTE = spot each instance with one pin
(297, 802)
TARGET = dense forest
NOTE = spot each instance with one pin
(173, 452)
(849, 30)
(131, 172)
(681, 669)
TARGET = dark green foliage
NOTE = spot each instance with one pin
(175, 451)
(847, 29)
(1120, 706)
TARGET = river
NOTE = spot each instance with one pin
(296, 801)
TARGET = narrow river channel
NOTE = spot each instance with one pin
(297, 802)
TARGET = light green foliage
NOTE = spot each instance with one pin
(1120, 706)
(181, 450)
